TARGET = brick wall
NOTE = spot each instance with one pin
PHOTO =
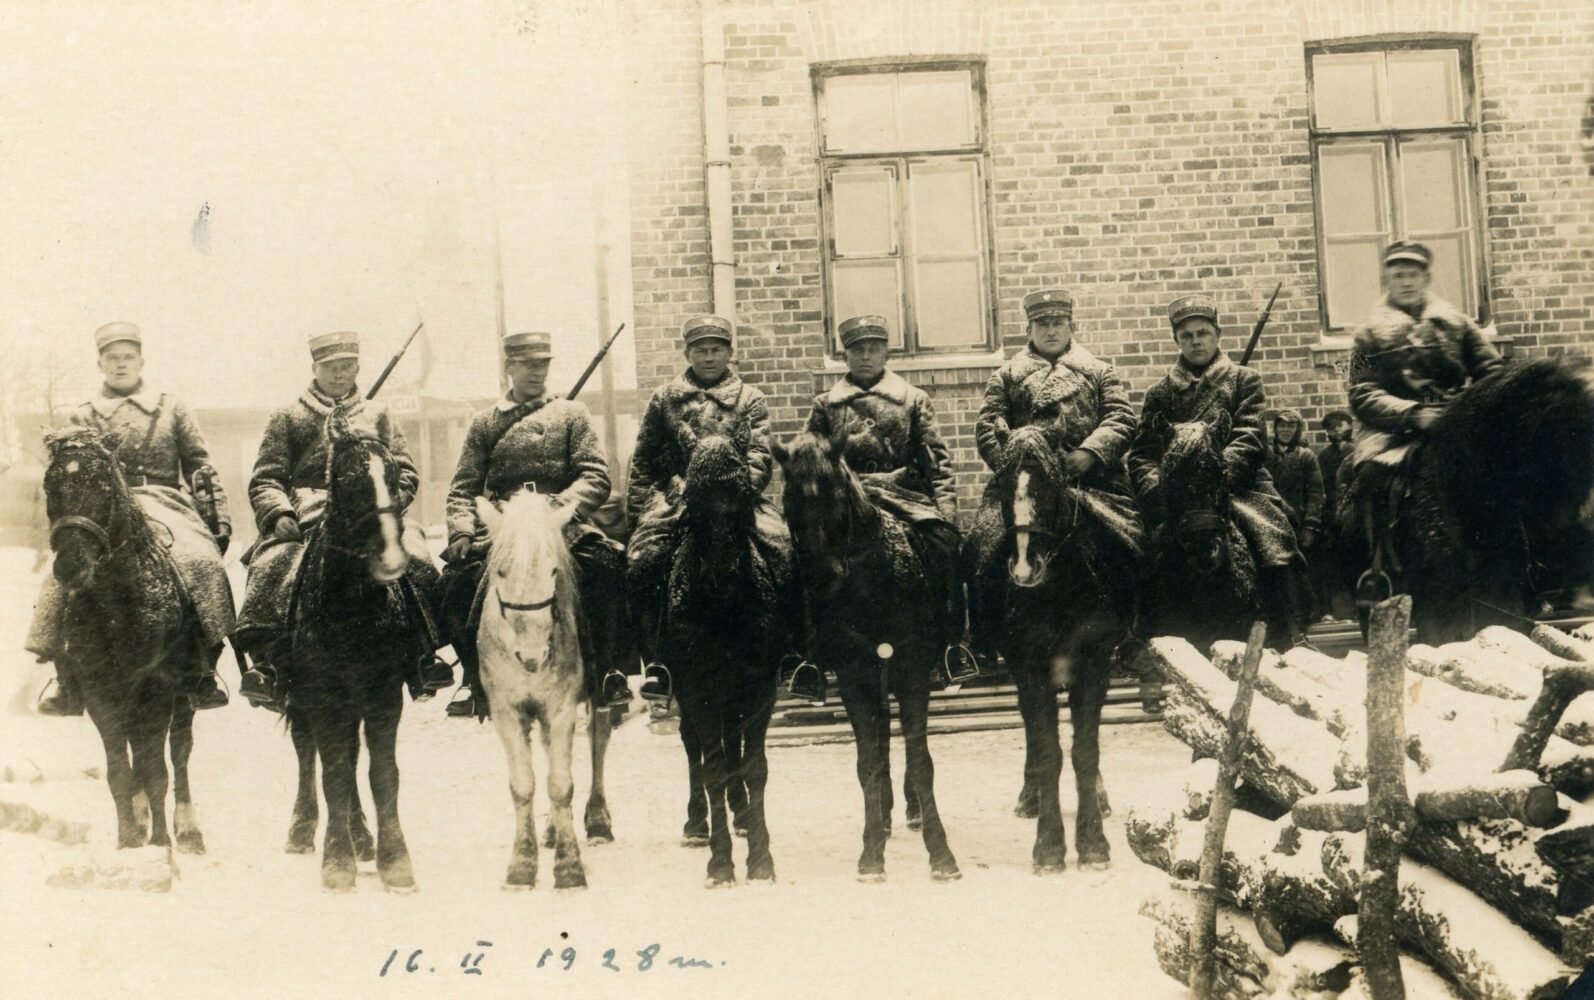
(1138, 152)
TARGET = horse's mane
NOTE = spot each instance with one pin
(1188, 443)
(139, 533)
(528, 518)
(816, 478)
(716, 462)
(1032, 445)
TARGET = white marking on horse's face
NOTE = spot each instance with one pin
(1023, 514)
(1585, 511)
(72, 465)
(391, 562)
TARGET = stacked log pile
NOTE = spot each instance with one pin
(1495, 887)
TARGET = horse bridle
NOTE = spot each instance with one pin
(93, 527)
(504, 607)
(368, 515)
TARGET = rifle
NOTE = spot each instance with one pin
(203, 484)
(393, 362)
(1261, 321)
(597, 360)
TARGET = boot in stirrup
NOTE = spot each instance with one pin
(61, 702)
(208, 693)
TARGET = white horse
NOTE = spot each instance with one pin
(532, 671)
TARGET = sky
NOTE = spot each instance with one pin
(235, 178)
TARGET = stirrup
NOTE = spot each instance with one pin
(609, 688)
(654, 688)
(465, 707)
(62, 701)
(196, 696)
(808, 683)
(1372, 588)
(959, 663)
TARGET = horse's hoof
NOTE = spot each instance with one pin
(548, 839)
(946, 874)
(1094, 864)
(400, 888)
(871, 878)
(695, 840)
(740, 829)
(337, 879)
(1049, 867)
(508, 886)
(191, 842)
(1026, 810)
(299, 847)
(573, 880)
(520, 879)
(915, 824)
(719, 882)
(600, 837)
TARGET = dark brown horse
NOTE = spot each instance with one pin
(131, 637)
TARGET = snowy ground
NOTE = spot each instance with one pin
(248, 920)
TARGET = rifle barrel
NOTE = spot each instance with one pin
(592, 365)
(392, 362)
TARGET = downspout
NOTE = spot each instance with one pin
(717, 163)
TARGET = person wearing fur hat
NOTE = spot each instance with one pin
(1299, 481)
(1415, 353)
(1203, 383)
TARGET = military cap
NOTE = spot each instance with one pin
(1048, 302)
(1190, 306)
(866, 327)
(1403, 251)
(1333, 417)
(334, 346)
(524, 346)
(707, 328)
(110, 333)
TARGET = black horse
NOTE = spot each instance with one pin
(132, 639)
(726, 621)
(1069, 604)
(1509, 462)
(875, 627)
(351, 639)
(1203, 580)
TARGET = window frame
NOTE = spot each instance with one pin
(901, 162)
(1389, 139)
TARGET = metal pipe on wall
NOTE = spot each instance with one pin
(717, 163)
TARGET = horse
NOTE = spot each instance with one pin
(1069, 604)
(1509, 462)
(306, 812)
(532, 672)
(351, 639)
(727, 617)
(131, 637)
(1204, 580)
(863, 580)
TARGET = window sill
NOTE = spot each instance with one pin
(971, 368)
(1331, 344)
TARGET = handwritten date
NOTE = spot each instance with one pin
(401, 962)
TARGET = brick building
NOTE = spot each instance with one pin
(936, 160)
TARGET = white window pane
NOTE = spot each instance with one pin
(944, 203)
(1431, 179)
(1350, 179)
(1345, 89)
(1425, 87)
(1351, 277)
(1452, 270)
(860, 112)
(864, 211)
(934, 110)
(949, 309)
(868, 286)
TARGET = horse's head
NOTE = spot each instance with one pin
(717, 493)
(825, 504)
(528, 572)
(88, 504)
(363, 516)
(1430, 358)
(1038, 504)
(1194, 495)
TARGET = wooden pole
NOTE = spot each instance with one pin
(1205, 929)
(1389, 811)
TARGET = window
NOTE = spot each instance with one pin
(903, 191)
(1394, 141)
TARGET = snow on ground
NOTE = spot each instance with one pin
(248, 920)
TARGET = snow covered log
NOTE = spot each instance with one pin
(1518, 795)
(1471, 942)
(1421, 980)
(1285, 757)
(1563, 682)
(1199, 780)
(1558, 643)
(1245, 967)
(1464, 666)
(1570, 769)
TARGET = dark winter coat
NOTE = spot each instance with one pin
(1299, 481)
(890, 428)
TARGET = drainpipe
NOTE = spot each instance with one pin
(717, 163)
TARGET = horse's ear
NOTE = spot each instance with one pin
(1158, 425)
(337, 427)
(741, 435)
(489, 515)
(781, 454)
(1222, 426)
(564, 513)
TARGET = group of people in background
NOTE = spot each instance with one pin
(1288, 502)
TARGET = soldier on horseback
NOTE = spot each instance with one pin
(888, 434)
(1202, 384)
(163, 457)
(1055, 382)
(1413, 356)
(533, 440)
(288, 491)
(706, 399)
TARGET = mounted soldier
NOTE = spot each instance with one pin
(1056, 383)
(706, 399)
(888, 435)
(536, 441)
(1202, 386)
(163, 458)
(1415, 354)
(288, 492)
